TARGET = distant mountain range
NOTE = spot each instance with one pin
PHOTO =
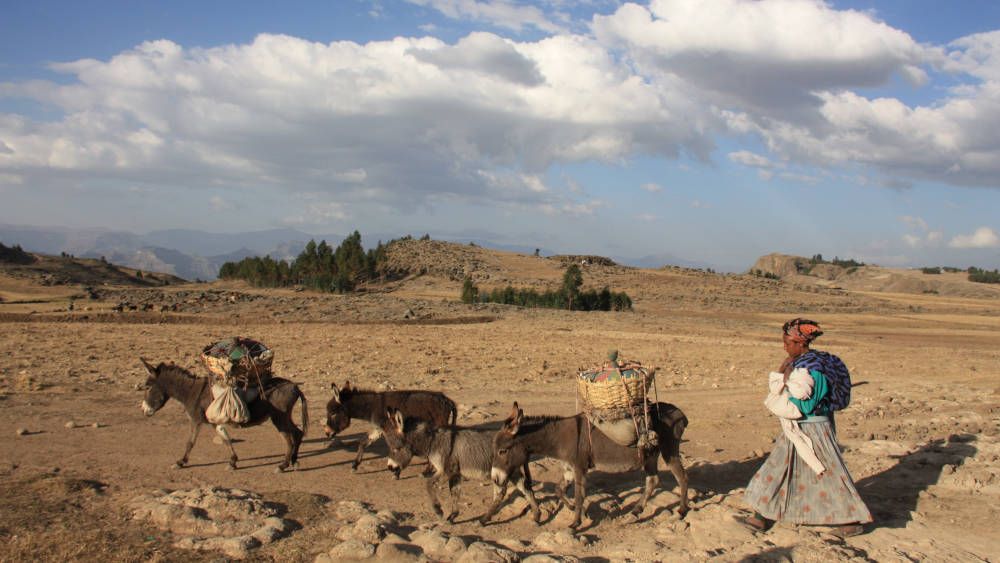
(194, 254)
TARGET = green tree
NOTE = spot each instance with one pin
(469, 291)
(572, 280)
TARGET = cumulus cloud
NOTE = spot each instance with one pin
(983, 237)
(409, 121)
(400, 122)
(652, 187)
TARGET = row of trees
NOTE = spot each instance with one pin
(568, 296)
(983, 276)
(318, 266)
(975, 274)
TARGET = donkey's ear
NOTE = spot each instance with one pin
(514, 411)
(398, 418)
(347, 385)
(149, 366)
(336, 392)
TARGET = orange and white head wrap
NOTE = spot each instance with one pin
(802, 330)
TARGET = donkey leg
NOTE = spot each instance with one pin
(579, 486)
(677, 468)
(568, 476)
(499, 493)
(375, 434)
(195, 428)
(652, 480)
(454, 491)
(291, 434)
(221, 431)
(431, 484)
(524, 486)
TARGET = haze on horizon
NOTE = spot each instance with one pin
(715, 131)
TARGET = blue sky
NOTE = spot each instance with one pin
(714, 131)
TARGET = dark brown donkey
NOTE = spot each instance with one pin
(454, 453)
(167, 381)
(347, 403)
(573, 441)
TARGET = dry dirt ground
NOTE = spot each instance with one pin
(920, 437)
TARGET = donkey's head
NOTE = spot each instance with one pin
(155, 397)
(337, 417)
(508, 452)
(400, 450)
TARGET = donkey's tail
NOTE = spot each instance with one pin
(305, 413)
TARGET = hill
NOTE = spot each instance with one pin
(871, 278)
(47, 270)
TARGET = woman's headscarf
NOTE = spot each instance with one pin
(802, 330)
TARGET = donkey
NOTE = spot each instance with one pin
(348, 402)
(454, 452)
(579, 446)
(168, 381)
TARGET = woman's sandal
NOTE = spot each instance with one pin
(756, 522)
(848, 530)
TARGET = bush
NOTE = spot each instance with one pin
(983, 276)
(568, 296)
(929, 270)
(15, 255)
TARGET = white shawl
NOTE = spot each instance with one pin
(799, 385)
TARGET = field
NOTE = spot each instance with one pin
(920, 437)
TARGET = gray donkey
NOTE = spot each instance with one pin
(352, 403)
(454, 453)
(168, 381)
(580, 447)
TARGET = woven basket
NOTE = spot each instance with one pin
(616, 395)
(238, 359)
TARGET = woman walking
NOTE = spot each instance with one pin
(804, 480)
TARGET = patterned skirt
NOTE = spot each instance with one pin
(786, 489)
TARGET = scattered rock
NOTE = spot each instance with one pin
(71, 424)
(352, 550)
(351, 510)
(21, 431)
(367, 529)
(481, 552)
(213, 519)
(398, 552)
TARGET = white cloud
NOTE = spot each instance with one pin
(913, 241)
(578, 209)
(652, 187)
(321, 213)
(984, 237)
(698, 204)
(647, 217)
(500, 13)
(747, 158)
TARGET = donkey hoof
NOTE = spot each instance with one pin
(177, 465)
(280, 469)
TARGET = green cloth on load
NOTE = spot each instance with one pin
(814, 405)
